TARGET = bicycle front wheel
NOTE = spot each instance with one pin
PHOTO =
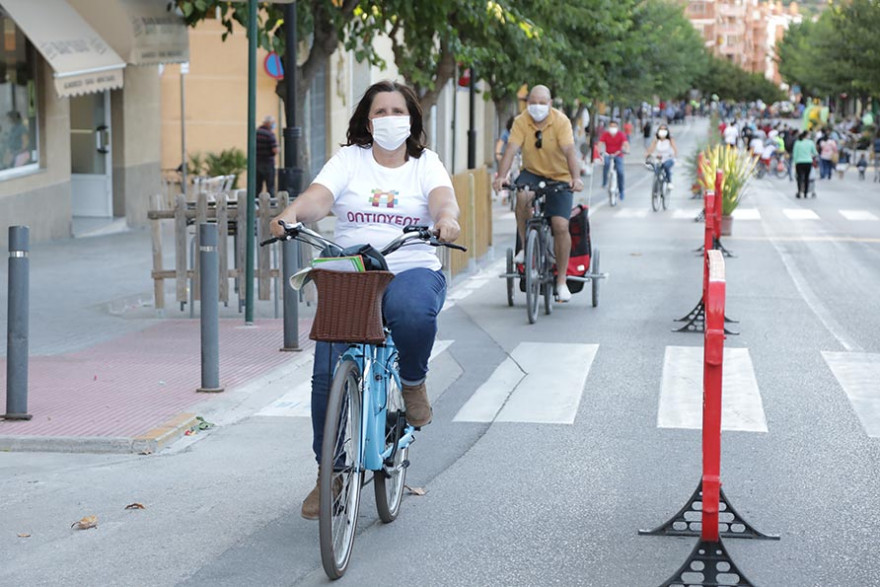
(533, 267)
(612, 188)
(655, 194)
(547, 278)
(389, 481)
(340, 476)
(664, 193)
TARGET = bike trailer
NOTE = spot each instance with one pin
(579, 261)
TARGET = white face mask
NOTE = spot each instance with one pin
(662, 134)
(539, 111)
(612, 130)
(389, 132)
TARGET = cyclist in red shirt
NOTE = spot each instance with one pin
(615, 146)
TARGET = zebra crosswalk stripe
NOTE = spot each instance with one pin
(538, 383)
(858, 374)
(681, 392)
(800, 214)
(858, 215)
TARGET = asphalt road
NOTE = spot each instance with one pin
(521, 502)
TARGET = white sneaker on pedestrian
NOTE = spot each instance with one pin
(670, 186)
(562, 293)
(520, 256)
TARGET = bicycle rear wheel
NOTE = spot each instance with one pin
(594, 281)
(547, 278)
(388, 482)
(341, 477)
(664, 194)
(533, 266)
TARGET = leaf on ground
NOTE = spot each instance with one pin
(86, 523)
(135, 506)
(415, 490)
(635, 254)
(24, 535)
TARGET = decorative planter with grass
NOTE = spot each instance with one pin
(738, 168)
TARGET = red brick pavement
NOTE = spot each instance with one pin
(131, 385)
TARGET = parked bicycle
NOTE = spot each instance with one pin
(365, 428)
(660, 187)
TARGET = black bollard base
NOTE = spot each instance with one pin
(708, 565)
(294, 349)
(17, 416)
(210, 389)
(689, 520)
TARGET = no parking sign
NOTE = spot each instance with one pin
(273, 66)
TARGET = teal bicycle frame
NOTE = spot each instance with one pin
(378, 365)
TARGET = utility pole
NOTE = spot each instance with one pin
(290, 178)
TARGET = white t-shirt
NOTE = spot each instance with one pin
(730, 135)
(664, 149)
(373, 203)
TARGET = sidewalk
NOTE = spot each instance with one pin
(106, 374)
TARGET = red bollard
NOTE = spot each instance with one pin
(713, 358)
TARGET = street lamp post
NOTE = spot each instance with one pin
(290, 178)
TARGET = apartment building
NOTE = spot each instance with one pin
(743, 31)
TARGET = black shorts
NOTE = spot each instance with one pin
(557, 204)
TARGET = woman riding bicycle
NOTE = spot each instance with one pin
(382, 179)
(664, 145)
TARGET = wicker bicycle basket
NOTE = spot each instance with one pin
(349, 306)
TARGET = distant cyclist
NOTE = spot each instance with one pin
(615, 147)
(664, 146)
(544, 134)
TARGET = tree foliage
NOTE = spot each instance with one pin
(839, 52)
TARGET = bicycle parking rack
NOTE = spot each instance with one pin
(709, 564)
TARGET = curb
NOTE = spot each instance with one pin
(150, 442)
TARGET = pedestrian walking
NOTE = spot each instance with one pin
(803, 154)
(267, 148)
(828, 153)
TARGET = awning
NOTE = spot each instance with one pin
(143, 32)
(82, 61)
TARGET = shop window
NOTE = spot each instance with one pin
(19, 151)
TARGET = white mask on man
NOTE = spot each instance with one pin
(389, 132)
(539, 111)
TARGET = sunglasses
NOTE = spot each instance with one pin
(539, 137)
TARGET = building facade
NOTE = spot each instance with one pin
(80, 99)
(743, 31)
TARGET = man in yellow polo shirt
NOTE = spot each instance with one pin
(544, 134)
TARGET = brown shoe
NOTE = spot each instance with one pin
(418, 408)
(311, 507)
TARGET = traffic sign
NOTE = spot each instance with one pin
(273, 66)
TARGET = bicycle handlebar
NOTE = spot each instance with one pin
(411, 233)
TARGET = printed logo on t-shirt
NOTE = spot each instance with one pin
(382, 198)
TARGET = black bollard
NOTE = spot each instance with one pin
(17, 325)
(289, 266)
(209, 274)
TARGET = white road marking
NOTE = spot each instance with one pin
(800, 214)
(632, 213)
(539, 382)
(297, 403)
(859, 374)
(681, 392)
(858, 215)
(746, 214)
(689, 213)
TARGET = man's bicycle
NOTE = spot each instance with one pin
(660, 188)
(613, 183)
(365, 428)
(538, 271)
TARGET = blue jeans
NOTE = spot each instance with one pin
(410, 306)
(826, 167)
(618, 164)
(667, 166)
